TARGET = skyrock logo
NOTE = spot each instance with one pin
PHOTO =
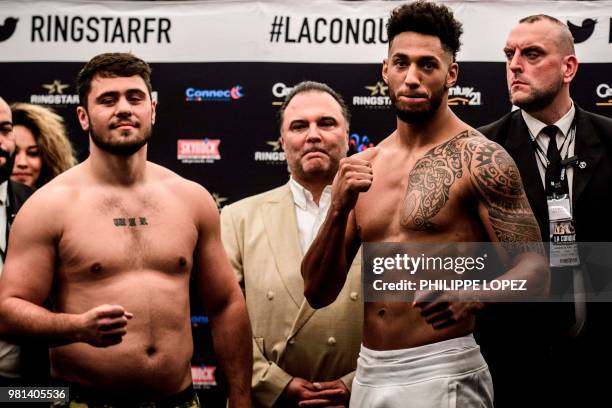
(217, 95)
(461, 96)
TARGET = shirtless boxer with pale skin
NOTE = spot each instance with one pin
(113, 243)
(434, 179)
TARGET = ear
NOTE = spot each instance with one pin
(385, 67)
(452, 75)
(570, 68)
(153, 106)
(282, 141)
(83, 118)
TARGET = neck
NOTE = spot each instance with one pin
(315, 187)
(115, 169)
(434, 131)
(555, 111)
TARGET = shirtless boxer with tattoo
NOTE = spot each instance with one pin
(113, 242)
(434, 179)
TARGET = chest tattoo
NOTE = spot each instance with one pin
(130, 222)
(429, 183)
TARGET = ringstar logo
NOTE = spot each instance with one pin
(217, 95)
(7, 28)
(55, 95)
(604, 91)
(273, 156)
(198, 150)
(377, 98)
(458, 95)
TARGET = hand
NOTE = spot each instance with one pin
(103, 325)
(332, 394)
(354, 176)
(300, 391)
(438, 311)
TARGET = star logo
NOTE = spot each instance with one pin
(276, 145)
(218, 199)
(379, 89)
(56, 87)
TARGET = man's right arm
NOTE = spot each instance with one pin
(327, 262)
(27, 278)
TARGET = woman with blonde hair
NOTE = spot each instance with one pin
(42, 148)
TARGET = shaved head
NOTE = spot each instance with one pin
(565, 39)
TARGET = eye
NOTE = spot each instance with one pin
(135, 98)
(33, 152)
(327, 123)
(107, 100)
(297, 126)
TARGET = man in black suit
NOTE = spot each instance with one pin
(12, 196)
(546, 354)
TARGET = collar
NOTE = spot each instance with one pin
(564, 124)
(4, 193)
(301, 195)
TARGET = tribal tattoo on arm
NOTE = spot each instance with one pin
(498, 183)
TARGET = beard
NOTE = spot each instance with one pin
(7, 168)
(538, 99)
(120, 148)
(421, 116)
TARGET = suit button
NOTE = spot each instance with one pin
(331, 341)
(270, 295)
(354, 295)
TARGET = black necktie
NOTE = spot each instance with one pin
(553, 181)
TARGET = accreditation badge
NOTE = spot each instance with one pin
(563, 246)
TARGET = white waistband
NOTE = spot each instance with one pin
(442, 359)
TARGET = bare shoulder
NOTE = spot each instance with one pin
(492, 169)
(194, 195)
(47, 208)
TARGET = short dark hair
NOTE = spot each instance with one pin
(108, 65)
(566, 39)
(312, 86)
(428, 18)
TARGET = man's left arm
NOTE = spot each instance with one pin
(224, 303)
(506, 215)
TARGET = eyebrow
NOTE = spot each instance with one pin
(115, 93)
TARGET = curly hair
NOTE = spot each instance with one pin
(428, 18)
(112, 64)
(48, 129)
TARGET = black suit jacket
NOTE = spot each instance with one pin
(521, 342)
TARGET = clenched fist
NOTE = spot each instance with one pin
(103, 325)
(354, 176)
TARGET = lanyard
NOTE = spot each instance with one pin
(569, 138)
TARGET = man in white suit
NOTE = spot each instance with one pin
(300, 355)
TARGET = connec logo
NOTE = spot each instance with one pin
(8, 28)
(223, 95)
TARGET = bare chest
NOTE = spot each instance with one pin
(415, 199)
(113, 234)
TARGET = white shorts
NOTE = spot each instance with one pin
(447, 374)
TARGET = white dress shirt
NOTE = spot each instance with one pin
(310, 216)
(566, 140)
(9, 353)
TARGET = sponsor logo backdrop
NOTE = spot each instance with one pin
(220, 71)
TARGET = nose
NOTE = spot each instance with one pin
(20, 160)
(412, 76)
(313, 135)
(514, 63)
(124, 108)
